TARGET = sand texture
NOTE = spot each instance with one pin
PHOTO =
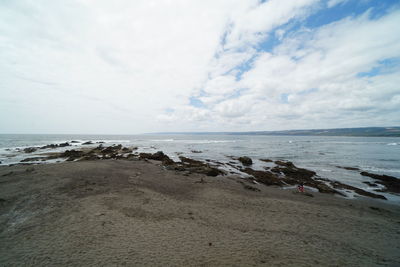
(136, 213)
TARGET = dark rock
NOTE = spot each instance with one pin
(72, 154)
(246, 161)
(100, 142)
(160, 156)
(371, 184)
(285, 163)
(196, 151)
(209, 171)
(293, 173)
(192, 162)
(88, 143)
(349, 168)
(30, 149)
(199, 167)
(34, 159)
(391, 183)
(49, 146)
(74, 142)
(110, 152)
(266, 160)
(64, 144)
(323, 188)
(126, 150)
(265, 177)
(357, 190)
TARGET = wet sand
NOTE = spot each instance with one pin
(136, 213)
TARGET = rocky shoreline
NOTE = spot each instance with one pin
(281, 173)
(113, 205)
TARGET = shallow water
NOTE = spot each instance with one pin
(379, 155)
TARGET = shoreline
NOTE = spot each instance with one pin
(101, 212)
(273, 172)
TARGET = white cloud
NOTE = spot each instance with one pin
(131, 66)
(318, 70)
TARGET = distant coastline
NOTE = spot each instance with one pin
(356, 132)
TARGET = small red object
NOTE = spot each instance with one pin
(301, 188)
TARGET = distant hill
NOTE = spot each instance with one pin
(365, 131)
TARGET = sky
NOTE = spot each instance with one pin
(128, 67)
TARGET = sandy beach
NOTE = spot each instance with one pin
(137, 213)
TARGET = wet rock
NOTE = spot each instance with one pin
(293, 174)
(371, 184)
(391, 183)
(267, 160)
(34, 159)
(209, 171)
(72, 154)
(359, 191)
(196, 151)
(246, 161)
(349, 168)
(197, 166)
(88, 143)
(157, 156)
(323, 188)
(64, 144)
(110, 149)
(265, 177)
(90, 156)
(74, 142)
(30, 149)
(49, 146)
(126, 150)
(287, 164)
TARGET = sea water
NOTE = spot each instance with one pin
(324, 155)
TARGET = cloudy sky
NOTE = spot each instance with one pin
(125, 67)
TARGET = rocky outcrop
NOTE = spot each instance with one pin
(391, 183)
(197, 166)
(348, 168)
(72, 154)
(359, 191)
(49, 146)
(30, 149)
(63, 144)
(293, 174)
(265, 177)
(157, 156)
(88, 143)
(246, 161)
(55, 145)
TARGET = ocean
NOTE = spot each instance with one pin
(324, 155)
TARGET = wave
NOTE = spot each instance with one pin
(205, 141)
(392, 144)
